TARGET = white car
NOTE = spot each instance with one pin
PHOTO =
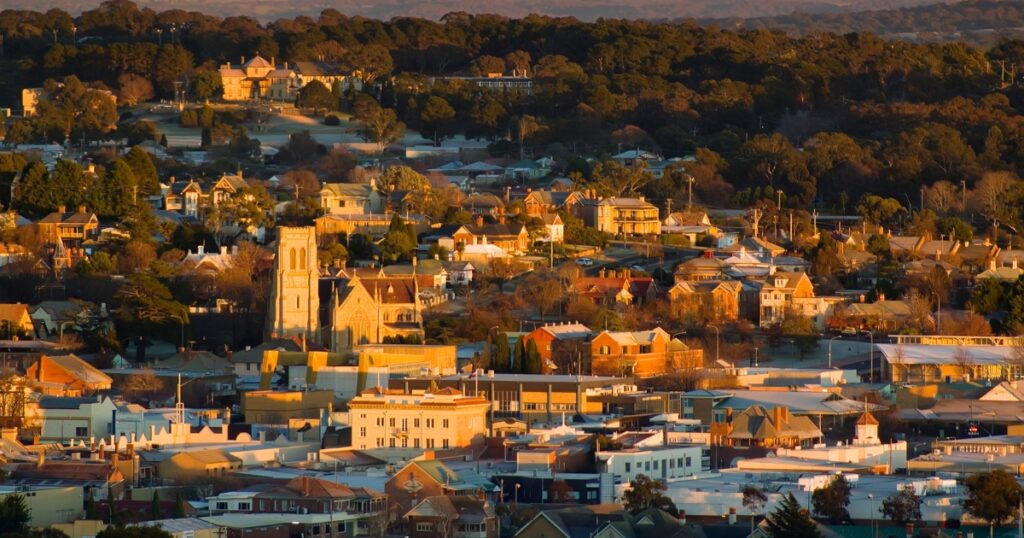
(585, 262)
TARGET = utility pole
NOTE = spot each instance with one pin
(757, 220)
(922, 198)
(669, 202)
(689, 191)
(815, 216)
(791, 226)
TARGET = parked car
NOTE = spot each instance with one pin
(585, 262)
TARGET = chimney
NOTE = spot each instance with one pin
(881, 296)
(479, 220)
(41, 460)
(62, 208)
(201, 249)
(709, 254)
(601, 272)
(861, 297)
(1014, 262)
(780, 415)
(429, 455)
(501, 219)
(243, 60)
(223, 250)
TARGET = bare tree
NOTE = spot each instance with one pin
(1017, 355)
(898, 362)
(143, 384)
(12, 399)
(943, 197)
(964, 361)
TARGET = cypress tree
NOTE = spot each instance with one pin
(532, 362)
(154, 509)
(501, 354)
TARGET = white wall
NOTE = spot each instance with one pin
(681, 462)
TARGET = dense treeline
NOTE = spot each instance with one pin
(956, 20)
(825, 118)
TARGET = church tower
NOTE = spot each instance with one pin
(294, 297)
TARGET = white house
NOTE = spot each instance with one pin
(645, 453)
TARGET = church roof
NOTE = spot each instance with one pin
(867, 419)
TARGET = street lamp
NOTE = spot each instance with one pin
(181, 322)
(830, 340)
(516, 499)
(871, 499)
(871, 355)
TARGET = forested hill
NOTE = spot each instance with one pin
(981, 22)
(586, 10)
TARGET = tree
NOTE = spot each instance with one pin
(14, 514)
(207, 85)
(501, 353)
(964, 361)
(401, 178)
(154, 508)
(133, 89)
(437, 117)
(559, 492)
(146, 304)
(317, 96)
(801, 329)
(831, 501)
(13, 390)
(645, 492)
(380, 126)
(144, 171)
(531, 359)
(173, 63)
(753, 500)
(143, 384)
(179, 504)
(992, 497)
(790, 520)
(904, 507)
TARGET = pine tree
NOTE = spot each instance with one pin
(790, 520)
(144, 170)
(14, 514)
(154, 508)
(179, 505)
(501, 354)
(532, 361)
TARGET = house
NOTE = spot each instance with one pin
(52, 317)
(640, 354)
(650, 457)
(187, 465)
(705, 267)
(15, 321)
(65, 418)
(758, 245)
(554, 227)
(1001, 273)
(374, 224)
(541, 202)
(425, 478)
(710, 300)
(442, 419)
(508, 237)
(353, 511)
(258, 78)
(616, 287)
(184, 197)
(632, 157)
(86, 476)
(70, 230)
(622, 216)
(565, 339)
(881, 315)
(460, 273)
(458, 516)
(66, 375)
(209, 264)
(484, 205)
(349, 199)
(777, 295)
(757, 427)
(573, 521)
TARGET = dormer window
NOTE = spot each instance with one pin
(780, 282)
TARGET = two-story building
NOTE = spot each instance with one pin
(640, 353)
(455, 516)
(777, 295)
(349, 199)
(442, 419)
(622, 216)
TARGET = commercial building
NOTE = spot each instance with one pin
(443, 419)
(535, 398)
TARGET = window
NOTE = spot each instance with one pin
(222, 505)
(655, 465)
(444, 423)
(291, 259)
(302, 258)
(362, 432)
(380, 421)
(430, 423)
(392, 422)
(405, 424)
(81, 432)
(628, 465)
(424, 526)
(604, 350)
(243, 506)
(645, 348)
(444, 443)
(416, 423)
(405, 442)
(687, 461)
(316, 530)
(430, 443)
(391, 442)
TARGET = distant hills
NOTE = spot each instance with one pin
(435, 9)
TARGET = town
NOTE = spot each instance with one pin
(490, 277)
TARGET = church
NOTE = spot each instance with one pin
(356, 310)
